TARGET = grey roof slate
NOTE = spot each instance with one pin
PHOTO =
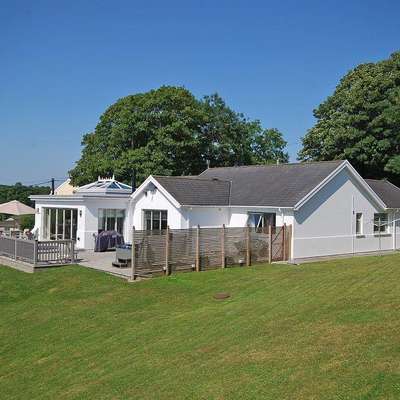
(273, 185)
(260, 185)
(388, 193)
(196, 191)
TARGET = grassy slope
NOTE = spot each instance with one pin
(319, 331)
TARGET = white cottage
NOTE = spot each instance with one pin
(331, 208)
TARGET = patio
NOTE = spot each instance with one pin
(102, 261)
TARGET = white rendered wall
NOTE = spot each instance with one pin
(325, 225)
(207, 217)
(239, 215)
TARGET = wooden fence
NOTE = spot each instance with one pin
(38, 253)
(199, 249)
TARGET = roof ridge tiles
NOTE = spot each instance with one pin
(276, 165)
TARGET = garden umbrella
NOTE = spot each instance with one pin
(15, 207)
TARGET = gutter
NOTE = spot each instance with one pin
(233, 206)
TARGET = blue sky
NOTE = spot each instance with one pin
(63, 62)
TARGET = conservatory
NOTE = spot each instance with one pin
(81, 215)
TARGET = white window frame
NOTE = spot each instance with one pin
(359, 219)
(151, 219)
(59, 234)
(105, 214)
(382, 223)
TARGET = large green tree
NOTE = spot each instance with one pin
(361, 121)
(168, 131)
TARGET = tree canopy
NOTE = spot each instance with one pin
(168, 131)
(361, 121)
(21, 193)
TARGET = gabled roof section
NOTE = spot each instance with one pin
(192, 190)
(389, 193)
(283, 185)
(105, 186)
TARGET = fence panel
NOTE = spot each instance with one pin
(235, 245)
(55, 251)
(25, 250)
(182, 252)
(211, 247)
(150, 251)
(7, 246)
(277, 244)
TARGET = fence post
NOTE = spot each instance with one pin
(248, 255)
(223, 262)
(72, 251)
(15, 248)
(35, 253)
(284, 242)
(197, 262)
(133, 256)
(167, 266)
(270, 244)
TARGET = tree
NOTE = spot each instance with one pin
(168, 131)
(361, 121)
(269, 146)
(21, 193)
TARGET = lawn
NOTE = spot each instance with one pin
(318, 331)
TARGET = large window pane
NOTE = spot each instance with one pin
(164, 220)
(74, 224)
(53, 224)
(67, 228)
(110, 223)
(358, 223)
(111, 220)
(381, 223)
(155, 219)
(101, 220)
(120, 221)
(60, 224)
(147, 218)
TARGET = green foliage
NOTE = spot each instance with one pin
(26, 222)
(168, 131)
(21, 193)
(361, 121)
(324, 330)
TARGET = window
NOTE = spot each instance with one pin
(155, 220)
(359, 225)
(60, 223)
(381, 224)
(110, 219)
(262, 220)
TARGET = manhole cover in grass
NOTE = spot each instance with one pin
(221, 296)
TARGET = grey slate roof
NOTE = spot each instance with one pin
(389, 193)
(272, 185)
(263, 185)
(196, 191)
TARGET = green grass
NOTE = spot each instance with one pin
(318, 331)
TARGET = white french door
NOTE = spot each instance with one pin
(60, 223)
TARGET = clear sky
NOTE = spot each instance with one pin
(63, 62)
